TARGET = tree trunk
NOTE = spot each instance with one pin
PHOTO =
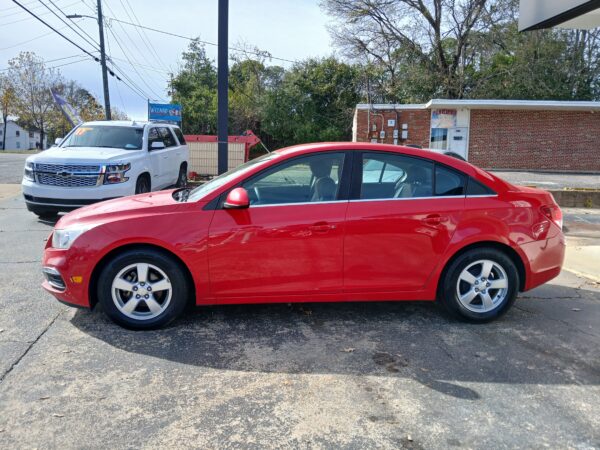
(4, 118)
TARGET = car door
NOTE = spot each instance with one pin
(399, 222)
(171, 156)
(290, 240)
(158, 158)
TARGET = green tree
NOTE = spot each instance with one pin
(195, 88)
(32, 81)
(8, 102)
(314, 102)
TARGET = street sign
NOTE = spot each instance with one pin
(164, 112)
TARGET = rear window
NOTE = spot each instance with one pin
(179, 135)
(476, 188)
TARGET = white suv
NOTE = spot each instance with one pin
(102, 160)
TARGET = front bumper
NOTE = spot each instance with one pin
(73, 272)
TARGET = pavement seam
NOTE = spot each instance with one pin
(29, 347)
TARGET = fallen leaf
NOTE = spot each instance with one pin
(424, 369)
(575, 309)
(347, 350)
(409, 438)
(58, 415)
(1, 330)
(44, 398)
(66, 351)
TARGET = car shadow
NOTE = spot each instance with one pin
(416, 340)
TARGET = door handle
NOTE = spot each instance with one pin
(434, 219)
(321, 227)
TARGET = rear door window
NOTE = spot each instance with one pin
(167, 137)
(389, 176)
(179, 135)
(449, 182)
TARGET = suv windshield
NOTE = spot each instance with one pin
(128, 138)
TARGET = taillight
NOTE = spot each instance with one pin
(553, 213)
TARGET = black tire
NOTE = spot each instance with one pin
(142, 185)
(449, 286)
(180, 289)
(182, 176)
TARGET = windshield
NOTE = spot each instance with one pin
(223, 179)
(128, 138)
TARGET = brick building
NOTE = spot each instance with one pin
(493, 134)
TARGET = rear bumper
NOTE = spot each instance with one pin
(545, 259)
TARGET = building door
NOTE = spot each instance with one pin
(457, 141)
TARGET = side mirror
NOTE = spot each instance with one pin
(157, 145)
(58, 141)
(237, 199)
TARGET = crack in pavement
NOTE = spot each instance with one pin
(29, 347)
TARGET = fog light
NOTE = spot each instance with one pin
(77, 279)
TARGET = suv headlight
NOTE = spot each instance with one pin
(28, 173)
(64, 238)
(115, 173)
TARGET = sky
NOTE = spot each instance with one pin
(289, 29)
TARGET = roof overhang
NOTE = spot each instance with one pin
(578, 14)
(533, 105)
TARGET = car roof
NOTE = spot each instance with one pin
(458, 164)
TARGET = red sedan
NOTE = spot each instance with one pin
(312, 223)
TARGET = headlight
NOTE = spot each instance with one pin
(65, 238)
(28, 173)
(115, 173)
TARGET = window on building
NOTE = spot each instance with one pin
(439, 138)
(17, 133)
(31, 134)
(18, 144)
(1, 132)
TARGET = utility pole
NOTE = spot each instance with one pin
(103, 62)
(222, 86)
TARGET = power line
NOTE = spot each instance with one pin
(29, 18)
(92, 42)
(57, 59)
(199, 40)
(95, 44)
(56, 31)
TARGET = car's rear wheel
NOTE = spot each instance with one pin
(480, 285)
(142, 185)
(143, 289)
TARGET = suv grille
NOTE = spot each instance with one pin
(68, 175)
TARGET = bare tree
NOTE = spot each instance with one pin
(434, 35)
(7, 104)
(32, 81)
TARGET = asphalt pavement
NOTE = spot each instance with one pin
(11, 167)
(353, 375)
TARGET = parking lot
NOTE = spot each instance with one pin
(356, 375)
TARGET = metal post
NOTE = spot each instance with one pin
(103, 63)
(222, 86)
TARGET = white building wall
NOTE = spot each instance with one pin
(18, 138)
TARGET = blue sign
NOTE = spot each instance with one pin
(164, 112)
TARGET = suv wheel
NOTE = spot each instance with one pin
(142, 185)
(143, 289)
(480, 285)
(182, 177)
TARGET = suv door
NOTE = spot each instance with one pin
(290, 240)
(171, 156)
(157, 159)
(399, 221)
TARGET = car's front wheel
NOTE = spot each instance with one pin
(480, 285)
(143, 289)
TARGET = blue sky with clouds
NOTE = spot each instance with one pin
(290, 29)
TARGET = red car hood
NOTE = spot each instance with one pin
(120, 208)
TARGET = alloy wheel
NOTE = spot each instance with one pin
(482, 286)
(141, 291)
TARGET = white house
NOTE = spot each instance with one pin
(18, 138)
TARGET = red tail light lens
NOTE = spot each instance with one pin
(553, 213)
